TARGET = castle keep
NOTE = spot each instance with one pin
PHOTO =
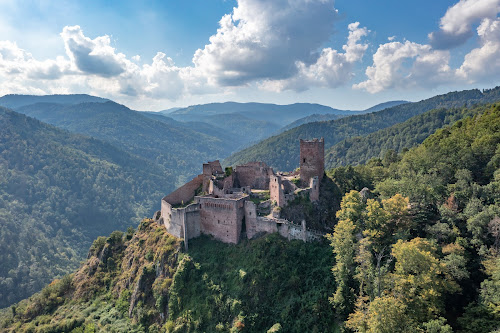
(244, 202)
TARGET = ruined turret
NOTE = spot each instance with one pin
(312, 160)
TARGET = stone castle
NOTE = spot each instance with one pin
(245, 202)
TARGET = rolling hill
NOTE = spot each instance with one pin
(324, 117)
(179, 149)
(281, 115)
(58, 191)
(359, 150)
(16, 101)
(282, 151)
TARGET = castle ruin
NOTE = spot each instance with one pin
(244, 202)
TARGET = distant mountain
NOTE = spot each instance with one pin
(16, 101)
(282, 151)
(167, 111)
(58, 191)
(176, 147)
(280, 115)
(311, 119)
(232, 127)
(384, 105)
(324, 117)
(359, 150)
(245, 130)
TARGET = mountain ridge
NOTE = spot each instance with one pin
(58, 191)
(280, 151)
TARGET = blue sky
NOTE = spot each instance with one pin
(152, 55)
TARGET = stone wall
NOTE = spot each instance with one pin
(185, 193)
(253, 174)
(312, 160)
(257, 225)
(192, 221)
(314, 192)
(212, 168)
(276, 192)
(222, 218)
(181, 222)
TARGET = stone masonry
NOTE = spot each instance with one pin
(312, 160)
(218, 204)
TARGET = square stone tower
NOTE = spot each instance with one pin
(312, 160)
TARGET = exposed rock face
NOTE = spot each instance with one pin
(365, 194)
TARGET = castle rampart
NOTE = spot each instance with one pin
(218, 204)
(253, 174)
(222, 217)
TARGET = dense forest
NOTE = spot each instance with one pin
(416, 252)
(281, 115)
(423, 252)
(359, 150)
(58, 192)
(180, 150)
(282, 151)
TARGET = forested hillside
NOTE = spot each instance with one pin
(280, 115)
(17, 101)
(359, 150)
(311, 119)
(282, 151)
(422, 253)
(180, 150)
(324, 117)
(58, 191)
(142, 282)
(242, 130)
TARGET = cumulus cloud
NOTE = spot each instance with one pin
(409, 65)
(15, 61)
(265, 39)
(483, 63)
(405, 65)
(92, 56)
(277, 43)
(456, 26)
(331, 69)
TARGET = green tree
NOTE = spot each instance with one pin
(419, 278)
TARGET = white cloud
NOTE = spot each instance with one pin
(264, 39)
(260, 41)
(483, 63)
(93, 56)
(409, 65)
(331, 69)
(456, 24)
(398, 65)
